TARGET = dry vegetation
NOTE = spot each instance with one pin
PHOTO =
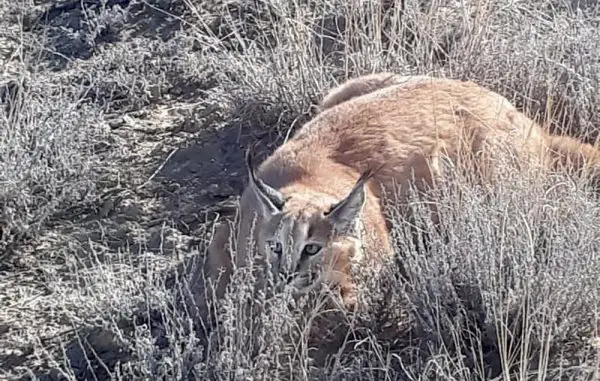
(122, 130)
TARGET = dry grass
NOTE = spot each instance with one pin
(120, 143)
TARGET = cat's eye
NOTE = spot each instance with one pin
(311, 249)
(275, 247)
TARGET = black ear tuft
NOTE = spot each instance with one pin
(271, 198)
(344, 214)
(362, 180)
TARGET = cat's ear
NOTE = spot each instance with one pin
(346, 212)
(270, 200)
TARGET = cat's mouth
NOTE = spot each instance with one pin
(303, 282)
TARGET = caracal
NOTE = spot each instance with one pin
(314, 208)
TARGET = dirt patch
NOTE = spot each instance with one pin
(74, 30)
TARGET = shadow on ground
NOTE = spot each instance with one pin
(74, 29)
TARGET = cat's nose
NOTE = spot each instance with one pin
(286, 276)
(290, 278)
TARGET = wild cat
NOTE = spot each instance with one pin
(315, 207)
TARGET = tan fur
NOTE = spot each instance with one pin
(355, 87)
(572, 155)
(403, 123)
